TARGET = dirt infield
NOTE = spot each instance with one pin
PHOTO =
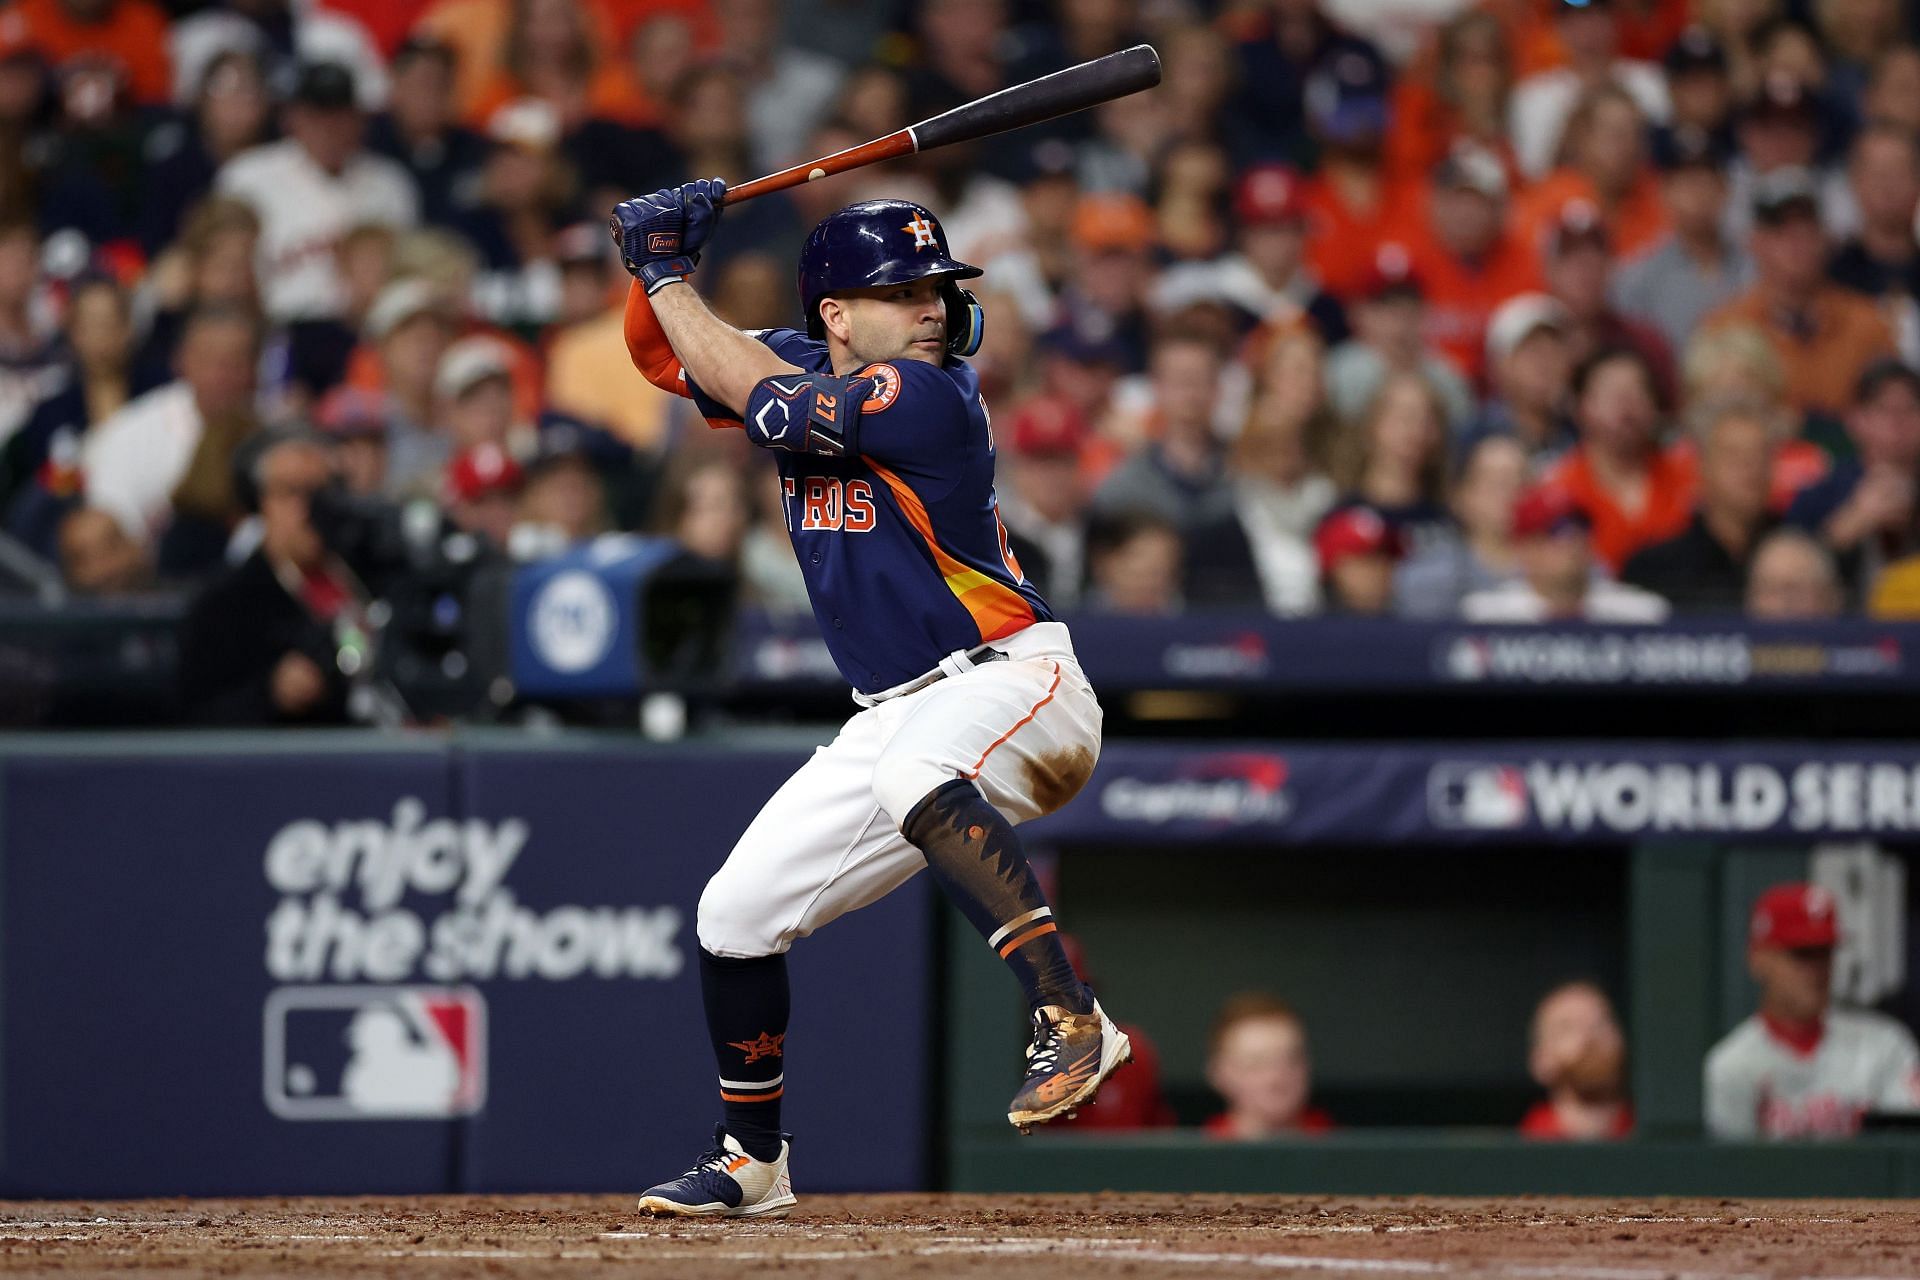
(1058, 1237)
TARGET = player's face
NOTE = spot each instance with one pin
(1794, 983)
(896, 322)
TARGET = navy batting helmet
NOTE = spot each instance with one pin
(878, 242)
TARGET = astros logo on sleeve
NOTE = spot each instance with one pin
(886, 387)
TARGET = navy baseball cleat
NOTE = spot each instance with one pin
(1070, 1056)
(725, 1182)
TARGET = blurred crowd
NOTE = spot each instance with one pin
(1801, 1067)
(1509, 310)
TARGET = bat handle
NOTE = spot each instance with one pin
(900, 143)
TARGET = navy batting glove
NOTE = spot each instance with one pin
(660, 235)
(702, 202)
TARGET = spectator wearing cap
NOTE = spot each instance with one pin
(135, 460)
(1133, 565)
(1393, 458)
(1389, 339)
(1854, 34)
(1823, 335)
(1882, 260)
(261, 645)
(474, 388)
(1700, 84)
(1630, 490)
(410, 326)
(1605, 168)
(563, 502)
(1266, 275)
(1558, 576)
(1779, 129)
(311, 188)
(1044, 507)
(1357, 548)
(421, 132)
(1864, 511)
(1542, 103)
(1301, 75)
(1695, 270)
(232, 111)
(1085, 370)
(524, 199)
(1799, 1068)
(481, 492)
(1459, 95)
(1262, 555)
(1477, 553)
(1353, 204)
(94, 384)
(1580, 265)
(1180, 476)
(1793, 579)
(1466, 260)
(354, 424)
(1579, 1056)
(1112, 271)
(1529, 365)
(1704, 568)
(1258, 1062)
(129, 34)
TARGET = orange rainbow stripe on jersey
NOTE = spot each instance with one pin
(997, 609)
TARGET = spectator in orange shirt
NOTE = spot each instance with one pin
(130, 33)
(1823, 335)
(1257, 1060)
(1462, 96)
(1466, 261)
(1633, 491)
(1580, 274)
(1579, 1057)
(1606, 167)
(1352, 205)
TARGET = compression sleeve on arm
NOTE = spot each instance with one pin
(808, 413)
(647, 344)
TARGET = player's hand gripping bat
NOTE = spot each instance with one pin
(1074, 89)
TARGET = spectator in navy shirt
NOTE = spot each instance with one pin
(1864, 510)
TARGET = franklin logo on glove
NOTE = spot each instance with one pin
(663, 242)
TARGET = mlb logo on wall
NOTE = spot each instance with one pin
(1477, 797)
(375, 1053)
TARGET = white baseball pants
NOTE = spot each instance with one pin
(1025, 730)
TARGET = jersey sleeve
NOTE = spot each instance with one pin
(916, 415)
(1897, 1089)
(1732, 1096)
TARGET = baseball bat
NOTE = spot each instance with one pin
(1074, 89)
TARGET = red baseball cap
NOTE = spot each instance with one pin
(1358, 530)
(480, 472)
(1048, 427)
(1795, 915)
(1547, 510)
(1266, 194)
(1392, 274)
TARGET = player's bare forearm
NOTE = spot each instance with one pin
(724, 362)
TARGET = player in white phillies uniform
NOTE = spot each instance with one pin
(1796, 1068)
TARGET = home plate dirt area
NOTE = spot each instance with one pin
(1056, 1237)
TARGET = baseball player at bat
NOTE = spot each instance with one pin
(975, 714)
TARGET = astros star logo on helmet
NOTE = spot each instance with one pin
(922, 229)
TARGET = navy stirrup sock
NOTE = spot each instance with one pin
(747, 1004)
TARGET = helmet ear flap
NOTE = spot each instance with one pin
(966, 321)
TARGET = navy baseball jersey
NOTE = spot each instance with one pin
(887, 479)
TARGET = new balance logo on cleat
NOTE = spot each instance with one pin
(1070, 1057)
(725, 1182)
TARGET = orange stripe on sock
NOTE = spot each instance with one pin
(751, 1097)
(1032, 711)
(1021, 941)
